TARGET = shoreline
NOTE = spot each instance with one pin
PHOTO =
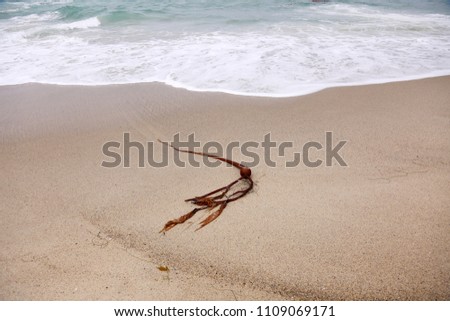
(318, 88)
(375, 230)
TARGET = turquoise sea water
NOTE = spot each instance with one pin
(267, 47)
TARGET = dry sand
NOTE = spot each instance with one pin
(377, 229)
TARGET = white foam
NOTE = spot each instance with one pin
(35, 18)
(82, 24)
(286, 59)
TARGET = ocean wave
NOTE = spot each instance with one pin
(83, 24)
(34, 18)
(254, 64)
(121, 16)
(289, 53)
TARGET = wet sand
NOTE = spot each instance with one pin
(375, 229)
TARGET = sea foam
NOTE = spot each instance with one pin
(83, 24)
(224, 47)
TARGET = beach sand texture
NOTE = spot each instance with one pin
(376, 229)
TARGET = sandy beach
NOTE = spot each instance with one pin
(377, 229)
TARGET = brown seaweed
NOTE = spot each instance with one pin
(218, 198)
